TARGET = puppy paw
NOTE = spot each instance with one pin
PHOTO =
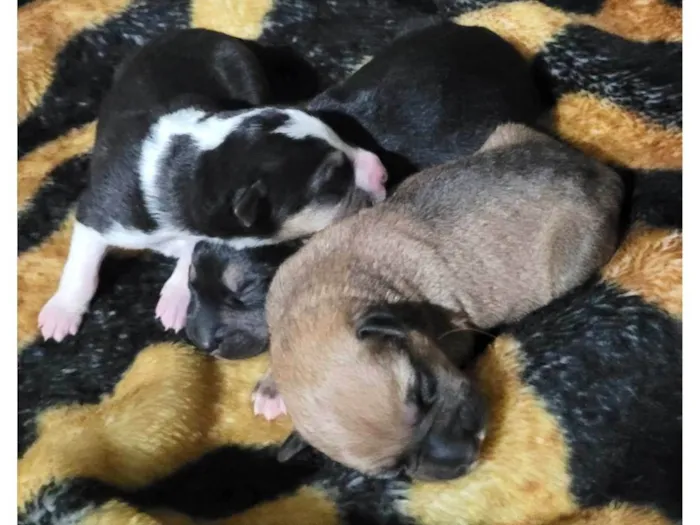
(267, 401)
(59, 318)
(172, 306)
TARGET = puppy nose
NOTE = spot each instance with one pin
(370, 174)
(447, 457)
(204, 339)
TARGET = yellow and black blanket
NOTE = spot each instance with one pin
(125, 423)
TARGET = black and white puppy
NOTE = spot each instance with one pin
(181, 156)
(226, 314)
(434, 94)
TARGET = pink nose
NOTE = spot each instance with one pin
(370, 174)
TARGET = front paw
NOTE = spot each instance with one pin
(172, 306)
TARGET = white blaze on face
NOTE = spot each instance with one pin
(370, 174)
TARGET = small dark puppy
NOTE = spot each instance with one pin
(226, 314)
(180, 156)
(434, 94)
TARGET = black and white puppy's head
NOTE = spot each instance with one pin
(277, 174)
(226, 314)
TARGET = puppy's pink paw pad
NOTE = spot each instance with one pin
(269, 408)
(268, 403)
(172, 307)
(56, 320)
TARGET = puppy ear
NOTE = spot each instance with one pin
(291, 447)
(381, 321)
(246, 203)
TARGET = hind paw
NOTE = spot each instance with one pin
(267, 401)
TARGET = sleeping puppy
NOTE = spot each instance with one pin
(434, 94)
(585, 395)
(226, 314)
(423, 100)
(371, 321)
(180, 157)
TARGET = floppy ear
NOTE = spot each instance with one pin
(291, 447)
(380, 321)
(246, 203)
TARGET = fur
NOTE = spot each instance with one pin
(180, 157)
(226, 315)
(420, 101)
(424, 100)
(395, 331)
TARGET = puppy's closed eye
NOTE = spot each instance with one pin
(333, 175)
(241, 344)
(232, 300)
(380, 322)
(247, 203)
(425, 392)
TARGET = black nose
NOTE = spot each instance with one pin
(447, 458)
(205, 339)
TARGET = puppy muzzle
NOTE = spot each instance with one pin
(203, 334)
(449, 439)
(444, 458)
(370, 175)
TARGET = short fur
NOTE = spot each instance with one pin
(371, 319)
(226, 314)
(422, 101)
(432, 95)
(181, 155)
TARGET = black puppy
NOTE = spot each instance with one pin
(180, 156)
(226, 315)
(434, 94)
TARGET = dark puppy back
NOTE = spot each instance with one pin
(291, 79)
(434, 94)
(209, 65)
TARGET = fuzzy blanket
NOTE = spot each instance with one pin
(125, 423)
